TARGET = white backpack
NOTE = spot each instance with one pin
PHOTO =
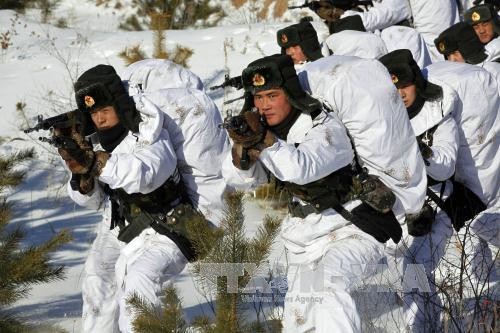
(192, 120)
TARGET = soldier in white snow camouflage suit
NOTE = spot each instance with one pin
(331, 230)
(135, 176)
(429, 107)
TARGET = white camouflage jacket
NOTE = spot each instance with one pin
(476, 115)
(383, 14)
(401, 37)
(444, 139)
(191, 119)
(430, 18)
(324, 148)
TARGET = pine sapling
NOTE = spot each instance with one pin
(21, 266)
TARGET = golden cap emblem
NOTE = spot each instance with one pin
(284, 39)
(258, 80)
(89, 101)
(394, 79)
(441, 47)
(475, 16)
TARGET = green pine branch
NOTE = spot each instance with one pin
(25, 267)
(260, 245)
(151, 319)
(8, 176)
(21, 268)
(226, 244)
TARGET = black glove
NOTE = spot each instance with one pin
(420, 224)
(381, 226)
(326, 11)
(244, 158)
(82, 183)
(462, 205)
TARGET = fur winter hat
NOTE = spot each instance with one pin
(100, 86)
(461, 37)
(404, 71)
(276, 71)
(482, 13)
(302, 34)
(353, 22)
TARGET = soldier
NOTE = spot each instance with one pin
(132, 173)
(486, 24)
(429, 107)
(484, 20)
(329, 231)
(299, 41)
(478, 164)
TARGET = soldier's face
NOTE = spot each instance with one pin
(408, 94)
(484, 31)
(296, 53)
(456, 57)
(104, 117)
(273, 105)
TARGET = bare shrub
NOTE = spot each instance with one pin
(238, 3)
(132, 54)
(280, 7)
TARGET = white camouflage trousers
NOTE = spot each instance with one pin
(421, 306)
(115, 270)
(318, 297)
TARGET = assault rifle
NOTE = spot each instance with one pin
(65, 121)
(230, 82)
(240, 126)
(235, 123)
(341, 4)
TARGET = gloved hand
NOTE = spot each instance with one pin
(79, 161)
(248, 129)
(73, 133)
(244, 158)
(382, 226)
(426, 151)
(86, 184)
(420, 224)
(81, 183)
(327, 11)
(84, 162)
(255, 135)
